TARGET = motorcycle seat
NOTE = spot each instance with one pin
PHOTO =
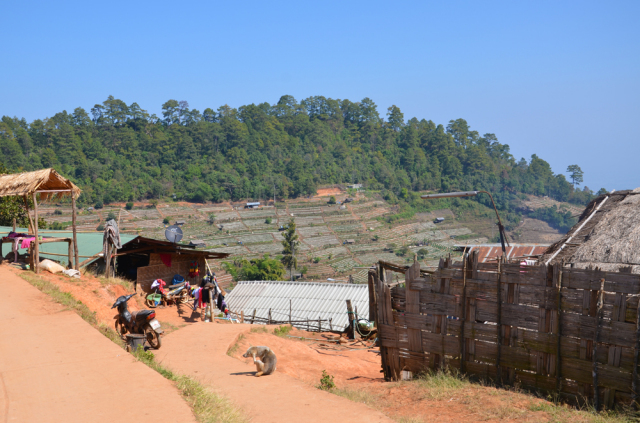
(141, 315)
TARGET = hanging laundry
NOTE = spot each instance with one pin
(194, 269)
(166, 259)
(159, 284)
(26, 242)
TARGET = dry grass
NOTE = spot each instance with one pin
(474, 401)
(234, 348)
(128, 285)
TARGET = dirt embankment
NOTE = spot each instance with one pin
(99, 294)
(306, 359)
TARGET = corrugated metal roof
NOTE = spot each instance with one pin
(489, 252)
(308, 300)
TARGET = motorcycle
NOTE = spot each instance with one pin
(139, 322)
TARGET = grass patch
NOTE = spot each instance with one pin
(126, 284)
(562, 413)
(206, 405)
(483, 401)
(450, 384)
(441, 384)
(234, 348)
(357, 395)
(282, 331)
(259, 329)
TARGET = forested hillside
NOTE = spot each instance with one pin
(118, 152)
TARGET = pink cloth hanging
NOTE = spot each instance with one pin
(26, 242)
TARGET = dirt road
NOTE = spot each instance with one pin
(199, 350)
(54, 367)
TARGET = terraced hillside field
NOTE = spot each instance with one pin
(336, 240)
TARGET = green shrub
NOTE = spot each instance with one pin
(326, 382)
(165, 220)
(129, 205)
(282, 331)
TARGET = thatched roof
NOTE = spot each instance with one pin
(47, 180)
(608, 239)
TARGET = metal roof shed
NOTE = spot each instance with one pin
(309, 300)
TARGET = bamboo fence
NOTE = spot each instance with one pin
(565, 331)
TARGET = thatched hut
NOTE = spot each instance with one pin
(607, 236)
(44, 184)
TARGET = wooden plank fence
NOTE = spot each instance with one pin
(572, 332)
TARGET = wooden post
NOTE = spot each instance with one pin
(558, 328)
(463, 313)
(107, 260)
(331, 326)
(254, 316)
(74, 229)
(26, 206)
(351, 330)
(372, 298)
(70, 255)
(242, 316)
(636, 357)
(319, 324)
(210, 296)
(596, 338)
(269, 316)
(36, 260)
(499, 368)
(290, 307)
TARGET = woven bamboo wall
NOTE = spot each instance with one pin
(510, 323)
(179, 265)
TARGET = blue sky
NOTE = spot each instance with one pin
(553, 78)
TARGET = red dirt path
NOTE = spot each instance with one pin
(54, 367)
(200, 349)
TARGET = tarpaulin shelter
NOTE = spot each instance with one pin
(46, 184)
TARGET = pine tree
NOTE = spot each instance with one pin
(290, 245)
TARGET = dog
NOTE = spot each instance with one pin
(264, 359)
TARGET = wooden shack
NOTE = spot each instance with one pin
(144, 260)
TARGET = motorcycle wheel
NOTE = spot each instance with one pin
(120, 328)
(150, 303)
(152, 337)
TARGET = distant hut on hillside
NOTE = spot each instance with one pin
(607, 236)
